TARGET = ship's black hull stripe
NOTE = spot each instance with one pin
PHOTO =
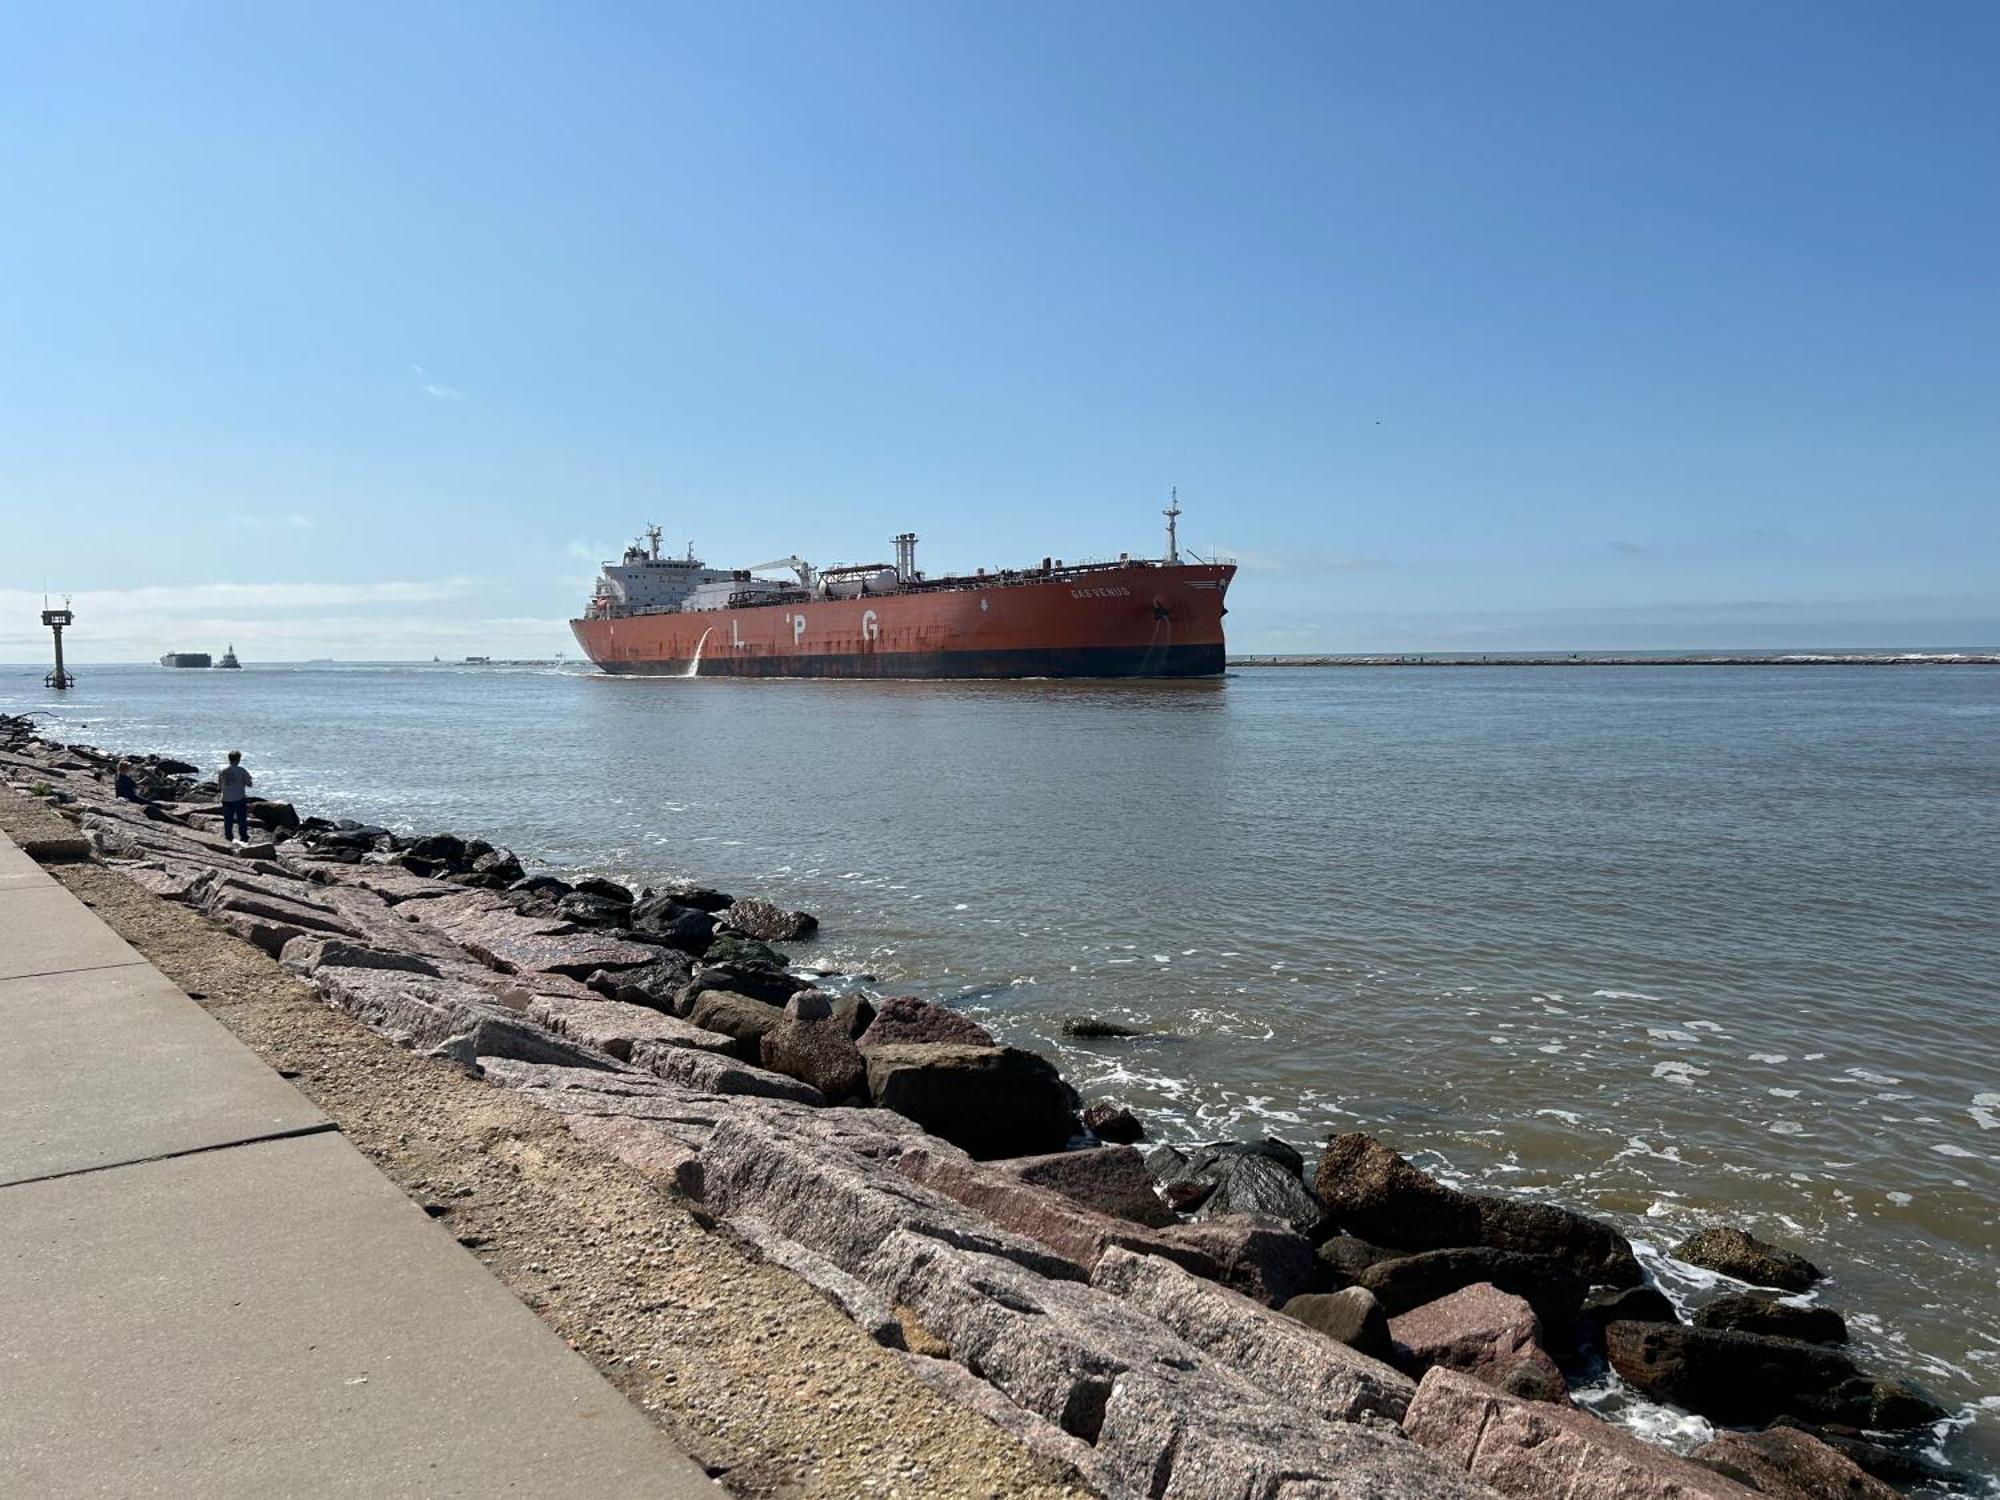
(1069, 661)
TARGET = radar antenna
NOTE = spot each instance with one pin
(653, 538)
(1173, 515)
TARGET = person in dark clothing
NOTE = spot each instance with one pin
(124, 787)
(235, 784)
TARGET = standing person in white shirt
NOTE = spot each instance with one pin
(235, 784)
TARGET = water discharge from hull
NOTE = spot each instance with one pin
(694, 665)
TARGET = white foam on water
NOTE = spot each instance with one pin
(1769, 1057)
(1986, 1111)
(1624, 995)
(1701, 1026)
(1679, 1072)
(1867, 1076)
(1785, 1127)
(1783, 1093)
(1901, 1200)
(1945, 1148)
(1664, 1426)
(1669, 1034)
(1566, 1116)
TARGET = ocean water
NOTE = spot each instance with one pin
(1673, 945)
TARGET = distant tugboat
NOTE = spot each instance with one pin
(229, 659)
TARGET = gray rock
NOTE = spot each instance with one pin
(738, 1017)
(1485, 1333)
(1747, 1313)
(1901, 1467)
(304, 955)
(1534, 1450)
(604, 890)
(1181, 1436)
(747, 953)
(1594, 1250)
(1737, 1253)
(1351, 1316)
(614, 1027)
(1079, 1234)
(1110, 1179)
(701, 897)
(421, 1013)
(686, 928)
(656, 985)
(855, 1013)
(1254, 1180)
(228, 899)
(828, 1181)
(1747, 1378)
(1344, 1258)
(591, 911)
(1279, 1355)
(768, 923)
(1374, 1194)
(715, 1073)
(446, 848)
(991, 1101)
(1090, 1028)
(1551, 1288)
(1164, 1419)
(1113, 1122)
(1632, 1304)
(772, 986)
(905, 1018)
(1377, 1196)
(1262, 1260)
(1786, 1464)
(816, 1050)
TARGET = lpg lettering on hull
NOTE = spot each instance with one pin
(1137, 617)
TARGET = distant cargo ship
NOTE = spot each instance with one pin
(1136, 617)
(187, 659)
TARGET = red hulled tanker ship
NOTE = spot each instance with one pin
(1136, 617)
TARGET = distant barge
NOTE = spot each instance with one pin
(228, 663)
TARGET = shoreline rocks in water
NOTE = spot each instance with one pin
(951, 1195)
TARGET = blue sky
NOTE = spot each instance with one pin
(365, 330)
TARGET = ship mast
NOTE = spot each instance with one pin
(653, 536)
(1173, 515)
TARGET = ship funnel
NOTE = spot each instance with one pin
(906, 556)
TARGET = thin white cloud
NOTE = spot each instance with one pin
(435, 388)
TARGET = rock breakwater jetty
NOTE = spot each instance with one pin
(1175, 1321)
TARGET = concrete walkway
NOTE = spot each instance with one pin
(208, 1291)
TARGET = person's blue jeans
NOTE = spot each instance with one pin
(237, 812)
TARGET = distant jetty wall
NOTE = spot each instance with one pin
(1603, 659)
